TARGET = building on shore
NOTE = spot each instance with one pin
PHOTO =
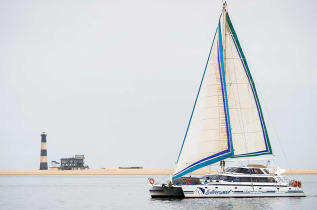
(54, 166)
(73, 163)
(133, 167)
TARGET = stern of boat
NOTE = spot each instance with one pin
(164, 191)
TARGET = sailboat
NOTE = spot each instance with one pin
(226, 123)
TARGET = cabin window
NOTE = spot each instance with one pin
(257, 171)
(227, 178)
(241, 179)
(245, 179)
(209, 177)
(262, 179)
(218, 177)
(232, 169)
(266, 171)
(224, 178)
(243, 171)
(236, 179)
(271, 179)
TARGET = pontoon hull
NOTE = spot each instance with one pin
(163, 191)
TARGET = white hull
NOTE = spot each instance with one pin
(219, 191)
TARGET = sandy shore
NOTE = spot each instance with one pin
(128, 172)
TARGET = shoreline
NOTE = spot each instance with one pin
(115, 171)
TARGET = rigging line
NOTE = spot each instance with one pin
(207, 169)
(204, 170)
(240, 162)
(162, 179)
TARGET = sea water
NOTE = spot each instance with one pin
(126, 192)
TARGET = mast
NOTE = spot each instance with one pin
(224, 14)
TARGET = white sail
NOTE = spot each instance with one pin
(227, 119)
(249, 135)
(208, 137)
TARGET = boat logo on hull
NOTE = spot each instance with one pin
(202, 191)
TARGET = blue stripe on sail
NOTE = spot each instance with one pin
(198, 163)
(252, 153)
(224, 90)
(191, 116)
(257, 106)
(203, 164)
(228, 152)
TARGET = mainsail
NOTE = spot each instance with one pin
(227, 119)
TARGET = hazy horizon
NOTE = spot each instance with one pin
(116, 80)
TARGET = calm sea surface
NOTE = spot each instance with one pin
(126, 192)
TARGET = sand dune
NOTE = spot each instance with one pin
(128, 172)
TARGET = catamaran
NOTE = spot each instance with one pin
(226, 124)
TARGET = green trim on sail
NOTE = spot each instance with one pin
(253, 87)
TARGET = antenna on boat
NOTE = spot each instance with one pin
(222, 165)
(224, 9)
(224, 5)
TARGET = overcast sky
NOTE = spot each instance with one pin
(116, 80)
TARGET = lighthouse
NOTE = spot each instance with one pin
(43, 160)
